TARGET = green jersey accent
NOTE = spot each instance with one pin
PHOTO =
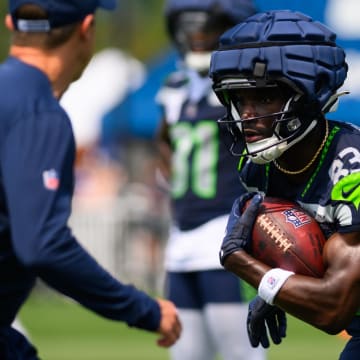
(200, 140)
(322, 157)
(242, 161)
(348, 189)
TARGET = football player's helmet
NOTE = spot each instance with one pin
(284, 50)
(196, 25)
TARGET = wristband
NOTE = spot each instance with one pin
(271, 283)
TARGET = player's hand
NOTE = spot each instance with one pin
(170, 326)
(239, 226)
(263, 318)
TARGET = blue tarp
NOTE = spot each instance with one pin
(138, 115)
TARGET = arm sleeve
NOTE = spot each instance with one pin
(37, 167)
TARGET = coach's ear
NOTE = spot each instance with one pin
(87, 26)
(9, 23)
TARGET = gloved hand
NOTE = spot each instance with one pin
(263, 317)
(239, 226)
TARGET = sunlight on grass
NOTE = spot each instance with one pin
(63, 330)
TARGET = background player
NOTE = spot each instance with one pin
(204, 184)
(278, 75)
(51, 44)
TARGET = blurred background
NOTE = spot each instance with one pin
(121, 211)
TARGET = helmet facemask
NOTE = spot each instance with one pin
(288, 49)
(284, 127)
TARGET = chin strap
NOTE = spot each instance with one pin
(272, 153)
(276, 146)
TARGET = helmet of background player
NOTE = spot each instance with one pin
(196, 25)
(283, 50)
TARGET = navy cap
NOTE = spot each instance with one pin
(60, 12)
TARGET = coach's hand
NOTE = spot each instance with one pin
(239, 226)
(263, 317)
(170, 326)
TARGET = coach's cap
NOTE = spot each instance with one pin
(60, 12)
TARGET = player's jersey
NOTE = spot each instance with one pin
(204, 176)
(332, 195)
(36, 185)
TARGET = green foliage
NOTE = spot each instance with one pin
(4, 34)
(62, 330)
(137, 26)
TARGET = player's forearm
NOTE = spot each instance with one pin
(312, 300)
(317, 302)
(246, 267)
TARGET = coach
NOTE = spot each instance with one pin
(51, 44)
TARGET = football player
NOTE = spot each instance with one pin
(278, 75)
(204, 184)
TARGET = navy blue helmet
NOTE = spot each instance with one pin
(185, 19)
(282, 49)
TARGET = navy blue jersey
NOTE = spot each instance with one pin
(204, 176)
(36, 187)
(332, 194)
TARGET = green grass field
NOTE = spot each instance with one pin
(62, 330)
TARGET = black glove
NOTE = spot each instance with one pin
(239, 226)
(261, 316)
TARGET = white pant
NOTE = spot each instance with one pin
(219, 329)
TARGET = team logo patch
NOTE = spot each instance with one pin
(51, 179)
(296, 217)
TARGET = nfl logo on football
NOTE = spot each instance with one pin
(296, 217)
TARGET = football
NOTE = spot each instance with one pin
(286, 236)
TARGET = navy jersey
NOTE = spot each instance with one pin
(204, 180)
(332, 194)
(36, 186)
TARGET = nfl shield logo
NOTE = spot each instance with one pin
(296, 217)
(51, 179)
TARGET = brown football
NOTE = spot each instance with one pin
(286, 236)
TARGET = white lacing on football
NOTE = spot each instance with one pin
(274, 232)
